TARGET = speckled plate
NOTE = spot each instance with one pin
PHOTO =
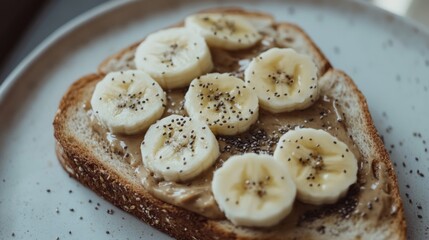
(386, 55)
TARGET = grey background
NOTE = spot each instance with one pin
(53, 15)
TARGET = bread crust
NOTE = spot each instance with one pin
(82, 164)
(381, 151)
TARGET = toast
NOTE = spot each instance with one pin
(87, 157)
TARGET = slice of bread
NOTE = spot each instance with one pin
(88, 158)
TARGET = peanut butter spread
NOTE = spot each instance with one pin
(369, 197)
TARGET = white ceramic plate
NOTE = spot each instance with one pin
(387, 56)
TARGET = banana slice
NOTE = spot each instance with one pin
(322, 166)
(224, 31)
(283, 79)
(254, 190)
(178, 148)
(128, 102)
(173, 57)
(223, 102)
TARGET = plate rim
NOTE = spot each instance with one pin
(82, 19)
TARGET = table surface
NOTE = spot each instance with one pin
(57, 13)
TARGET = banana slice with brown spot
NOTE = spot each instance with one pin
(283, 79)
(225, 31)
(223, 102)
(174, 57)
(322, 166)
(178, 148)
(128, 102)
(254, 190)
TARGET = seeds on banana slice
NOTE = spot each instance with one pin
(128, 102)
(223, 102)
(322, 166)
(173, 57)
(284, 80)
(178, 148)
(225, 31)
(254, 190)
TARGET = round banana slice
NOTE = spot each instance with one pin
(322, 166)
(178, 148)
(223, 102)
(283, 79)
(128, 102)
(173, 57)
(254, 190)
(230, 32)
